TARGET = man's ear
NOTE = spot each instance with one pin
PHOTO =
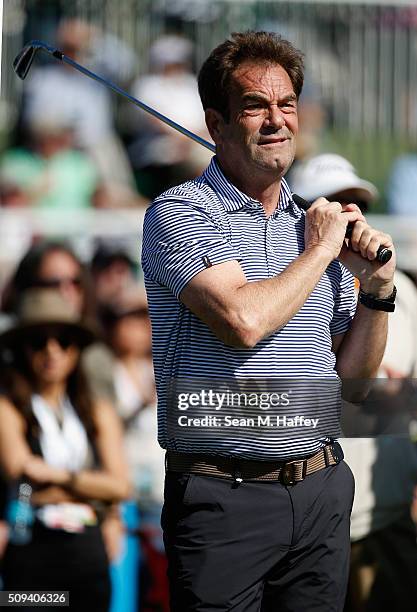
(215, 125)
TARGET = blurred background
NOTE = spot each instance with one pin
(359, 100)
(79, 165)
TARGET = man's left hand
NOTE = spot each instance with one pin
(360, 257)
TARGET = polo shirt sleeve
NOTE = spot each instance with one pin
(180, 239)
(345, 301)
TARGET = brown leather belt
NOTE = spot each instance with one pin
(288, 473)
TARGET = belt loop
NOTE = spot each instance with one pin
(304, 473)
(336, 452)
(237, 476)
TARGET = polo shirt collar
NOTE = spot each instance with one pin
(233, 199)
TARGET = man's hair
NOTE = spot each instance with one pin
(263, 47)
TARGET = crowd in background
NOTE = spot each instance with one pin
(69, 153)
(78, 425)
(71, 150)
(76, 350)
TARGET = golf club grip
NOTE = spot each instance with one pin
(383, 254)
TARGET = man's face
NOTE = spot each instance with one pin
(263, 123)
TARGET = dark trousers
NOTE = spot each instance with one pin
(258, 546)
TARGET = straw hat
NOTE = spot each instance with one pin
(42, 309)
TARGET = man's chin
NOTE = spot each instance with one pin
(276, 166)
(274, 158)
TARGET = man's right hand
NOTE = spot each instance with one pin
(326, 224)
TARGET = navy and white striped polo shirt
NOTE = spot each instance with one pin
(209, 217)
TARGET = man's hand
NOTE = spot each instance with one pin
(360, 257)
(326, 224)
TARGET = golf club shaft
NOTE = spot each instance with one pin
(61, 56)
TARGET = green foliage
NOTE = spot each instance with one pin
(371, 154)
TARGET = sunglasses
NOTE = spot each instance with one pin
(38, 340)
(57, 283)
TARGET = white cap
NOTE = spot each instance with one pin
(327, 174)
(170, 49)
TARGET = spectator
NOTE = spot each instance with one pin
(51, 264)
(49, 172)
(333, 177)
(85, 104)
(312, 118)
(128, 330)
(128, 327)
(402, 186)
(54, 265)
(113, 271)
(160, 155)
(67, 446)
(384, 549)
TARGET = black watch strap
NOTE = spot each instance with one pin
(371, 301)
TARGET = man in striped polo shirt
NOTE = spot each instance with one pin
(252, 302)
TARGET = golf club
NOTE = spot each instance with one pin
(23, 62)
(24, 59)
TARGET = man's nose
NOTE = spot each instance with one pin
(274, 118)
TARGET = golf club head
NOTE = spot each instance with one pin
(24, 59)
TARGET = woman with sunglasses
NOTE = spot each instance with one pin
(50, 264)
(54, 265)
(66, 446)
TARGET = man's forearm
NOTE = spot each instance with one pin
(266, 306)
(363, 346)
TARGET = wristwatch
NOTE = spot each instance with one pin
(371, 301)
